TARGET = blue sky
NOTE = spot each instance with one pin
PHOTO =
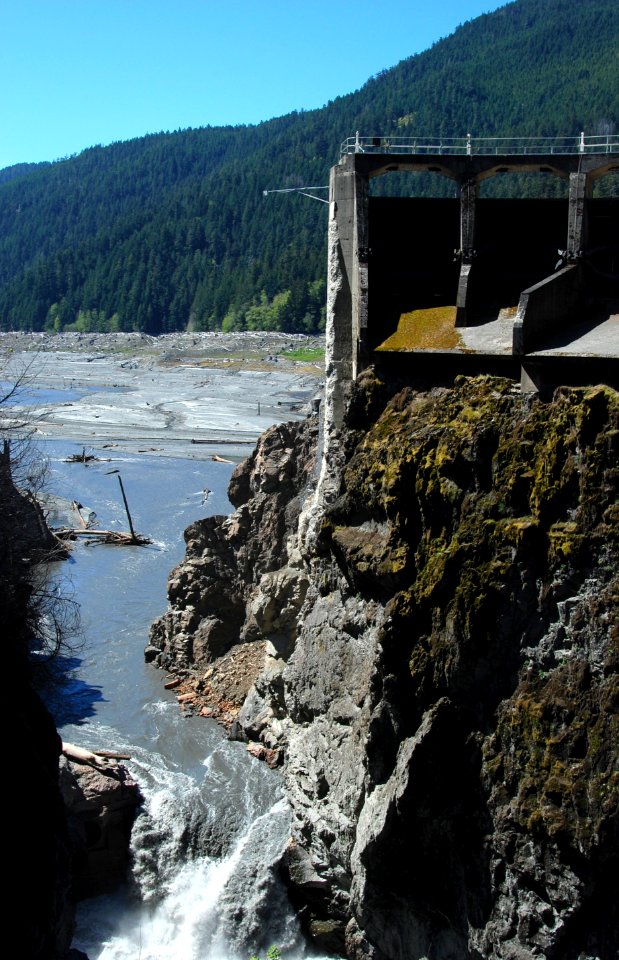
(74, 73)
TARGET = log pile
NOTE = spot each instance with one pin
(118, 537)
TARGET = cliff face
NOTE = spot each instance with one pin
(38, 845)
(221, 608)
(440, 681)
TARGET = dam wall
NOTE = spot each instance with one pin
(497, 270)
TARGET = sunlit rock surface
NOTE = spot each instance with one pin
(440, 682)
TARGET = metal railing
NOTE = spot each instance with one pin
(482, 146)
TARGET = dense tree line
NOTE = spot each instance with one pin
(172, 230)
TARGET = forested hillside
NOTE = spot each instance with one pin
(172, 230)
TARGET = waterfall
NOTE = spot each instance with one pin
(204, 883)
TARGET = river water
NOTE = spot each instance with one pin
(203, 884)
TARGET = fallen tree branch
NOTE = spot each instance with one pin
(118, 537)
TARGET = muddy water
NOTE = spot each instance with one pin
(202, 884)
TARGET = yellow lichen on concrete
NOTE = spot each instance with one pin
(433, 328)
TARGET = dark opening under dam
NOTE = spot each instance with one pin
(413, 263)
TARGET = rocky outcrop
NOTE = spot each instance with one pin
(441, 680)
(232, 582)
(101, 799)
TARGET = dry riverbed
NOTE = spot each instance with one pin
(194, 395)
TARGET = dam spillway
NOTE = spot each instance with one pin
(528, 288)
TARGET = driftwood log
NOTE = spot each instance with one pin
(119, 537)
(94, 758)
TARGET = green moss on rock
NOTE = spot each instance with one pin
(494, 509)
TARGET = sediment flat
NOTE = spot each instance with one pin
(184, 395)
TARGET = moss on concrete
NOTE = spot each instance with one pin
(431, 328)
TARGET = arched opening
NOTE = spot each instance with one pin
(510, 184)
(521, 225)
(411, 182)
(601, 254)
(413, 236)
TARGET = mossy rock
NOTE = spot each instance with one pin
(492, 507)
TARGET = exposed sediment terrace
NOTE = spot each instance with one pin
(187, 395)
(439, 620)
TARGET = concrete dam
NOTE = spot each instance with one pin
(430, 288)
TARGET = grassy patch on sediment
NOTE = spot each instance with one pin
(306, 354)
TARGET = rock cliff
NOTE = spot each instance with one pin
(222, 608)
(37, 844)
(436, 618)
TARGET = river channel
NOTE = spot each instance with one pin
(203, 883)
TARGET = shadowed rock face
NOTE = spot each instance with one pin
(443, 690)
(101, 802)
(38, 849)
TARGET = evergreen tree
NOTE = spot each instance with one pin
(171, 231)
